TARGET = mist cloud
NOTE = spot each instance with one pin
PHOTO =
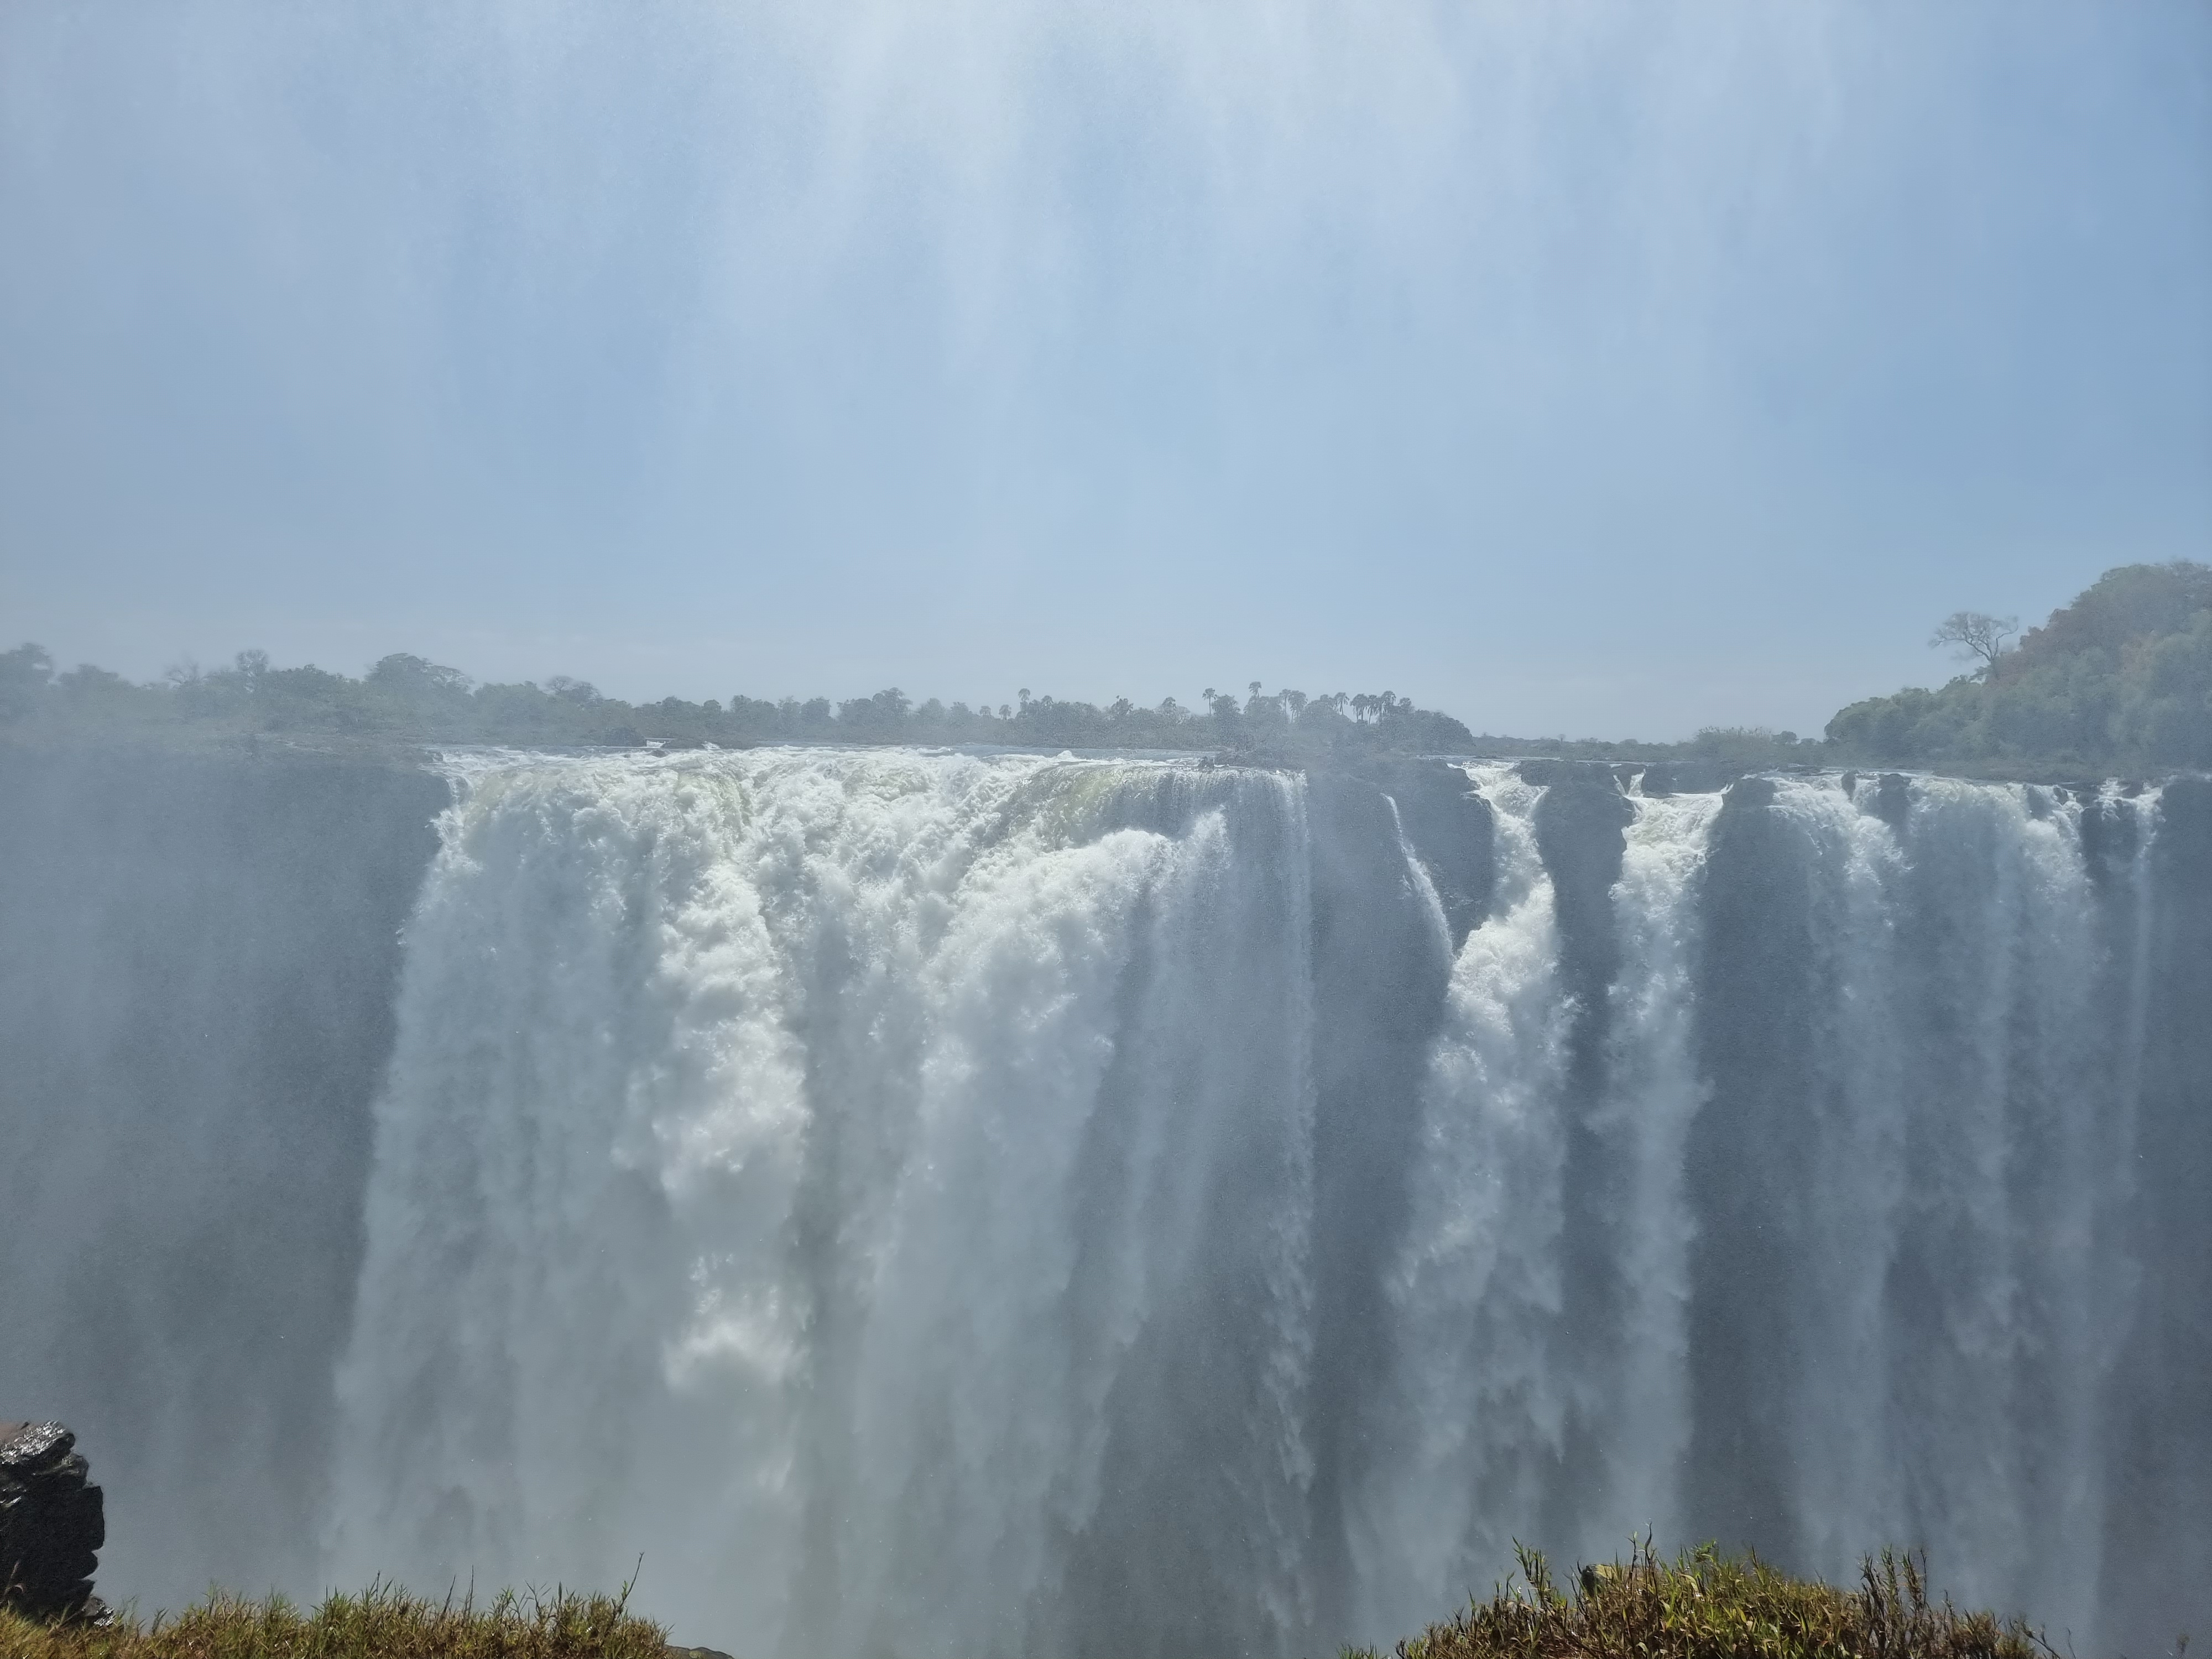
(980, 317)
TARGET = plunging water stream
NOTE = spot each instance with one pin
(931, 1203)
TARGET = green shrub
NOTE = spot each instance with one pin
(2119, 681)
(1708, 1606)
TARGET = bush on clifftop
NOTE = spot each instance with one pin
(1706, 1606)
(2119, 681)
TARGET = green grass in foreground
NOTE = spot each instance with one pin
(1707, 1605)
(1701, 1606)
(385, 1623)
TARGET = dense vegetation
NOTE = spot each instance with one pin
(1706, 1606)
(2119, 681)
(383, 1623)
(405, 699)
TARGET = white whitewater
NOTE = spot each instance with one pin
(1480, 1399)
(879, 1186)
(1472, 1415)
(782, 1168)
(1954, 1292)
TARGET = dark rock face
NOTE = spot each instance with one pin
(52, 1524)
(1689, 777)
(1596, 775)
(1892, 800)
(1759, 997)
(1380, 973)
(1450, 828)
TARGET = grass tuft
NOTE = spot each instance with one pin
(384, 1622)
(1707, 1605)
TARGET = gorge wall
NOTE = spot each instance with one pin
(197, 963)
(932, 1203)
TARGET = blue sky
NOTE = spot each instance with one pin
(1582, 368)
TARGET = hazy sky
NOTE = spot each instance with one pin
(1576, 367)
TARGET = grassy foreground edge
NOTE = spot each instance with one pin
(1702, 1605)
(384, 1622)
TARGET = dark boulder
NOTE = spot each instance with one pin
(1549, 772)
(1689, 777)
(1892, 800)
(1450, 828)
(52, 1525)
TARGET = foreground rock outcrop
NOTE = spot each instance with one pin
(52, 1524)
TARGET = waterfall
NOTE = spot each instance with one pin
(1472, 1415)
(1492, 1408)
(1876, 1298)
(1908, 1182)
(931, 1203)
(876, 1187)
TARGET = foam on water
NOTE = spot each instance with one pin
(933, 1203)
(786, 1162)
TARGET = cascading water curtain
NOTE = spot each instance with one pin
(1861, 1121)
(882, 1186)
(874, 1186)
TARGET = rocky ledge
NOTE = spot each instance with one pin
(52, 1525)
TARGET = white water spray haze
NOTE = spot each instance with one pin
(906, 1194)
(875, 1154)
(921, 347)
(1206, 1199)
(933, 1203)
